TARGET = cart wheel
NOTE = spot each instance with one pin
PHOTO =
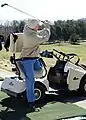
(11, 96)
(82, 87)
(39, 91)
(18, 96)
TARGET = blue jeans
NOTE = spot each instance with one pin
(28, 70)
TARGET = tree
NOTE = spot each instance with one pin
(7, 23)
(82, 28)
(21, 26)
(58, 29)
(68, 29)
(74, 39)
(53, 34)
(15, 25)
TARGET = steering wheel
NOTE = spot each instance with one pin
(71, 56)
(68, 57)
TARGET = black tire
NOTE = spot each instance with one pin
(82, 87)
(39, 92)
(11, 96)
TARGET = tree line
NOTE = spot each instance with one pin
(62, 30)
(69, 30)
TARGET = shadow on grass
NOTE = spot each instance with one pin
(66, 97)
(15, 109)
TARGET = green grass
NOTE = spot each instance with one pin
(68, 48)
(80, 50)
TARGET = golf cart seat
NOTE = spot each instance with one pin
(56, 74)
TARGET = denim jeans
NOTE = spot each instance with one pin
(27, 67)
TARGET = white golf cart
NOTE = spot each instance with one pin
(64, 75)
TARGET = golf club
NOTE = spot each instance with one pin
(45, 22)
(5, 4)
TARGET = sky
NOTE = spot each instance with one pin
(43, 9)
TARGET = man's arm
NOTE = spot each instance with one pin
(44, 34)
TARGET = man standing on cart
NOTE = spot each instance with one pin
(33, 37)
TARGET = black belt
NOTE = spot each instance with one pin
(27, 58)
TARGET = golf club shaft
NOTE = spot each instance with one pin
(5, 4)
(17, 10)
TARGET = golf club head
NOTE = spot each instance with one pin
(4, 4)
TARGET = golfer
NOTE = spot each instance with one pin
(33, 37)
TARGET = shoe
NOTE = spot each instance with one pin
(32, 107)
(34, 110)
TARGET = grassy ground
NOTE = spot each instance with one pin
(67, 48)
(53, 107)
(78, 49)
